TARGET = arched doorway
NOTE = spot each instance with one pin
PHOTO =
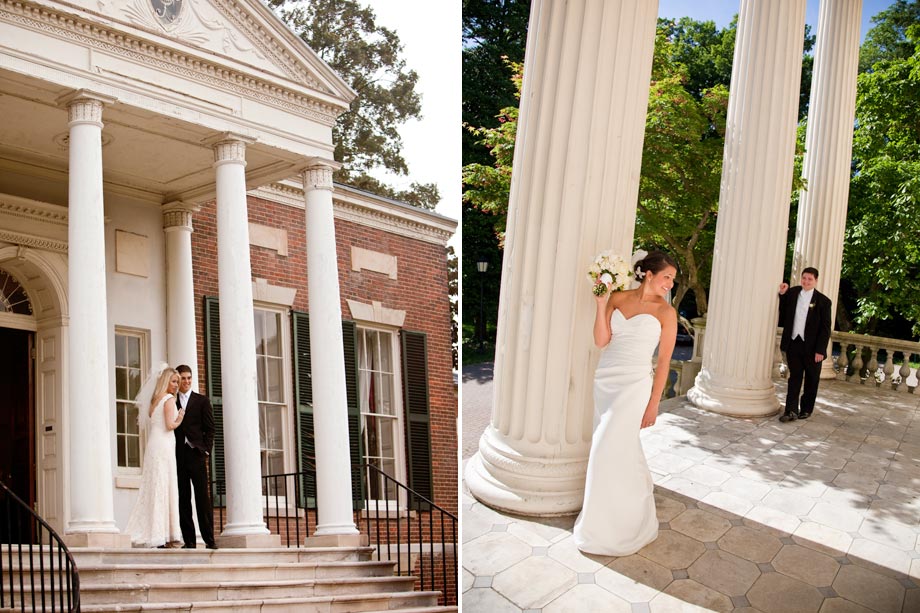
(17, 398)
(33, 354)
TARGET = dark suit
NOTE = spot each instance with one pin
(191, 464)
(800, 352)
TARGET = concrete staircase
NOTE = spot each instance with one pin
(314, 580)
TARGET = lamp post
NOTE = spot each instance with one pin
(482, 266)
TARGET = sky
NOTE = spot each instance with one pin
(722, 11)
(430, 33)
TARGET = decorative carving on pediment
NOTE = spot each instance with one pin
(96, 35)
(201, 22)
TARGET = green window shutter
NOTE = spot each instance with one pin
(418, 415)
(212, 364)
(355, 440)
(303, 394)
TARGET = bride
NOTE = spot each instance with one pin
(618, 515)
(154, 521)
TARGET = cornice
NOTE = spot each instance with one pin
(16, 207)
(102, 36)
(38, 242)
(390, 219)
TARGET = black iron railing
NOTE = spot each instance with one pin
(37, 572)
(403, 526)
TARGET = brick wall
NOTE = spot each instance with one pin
(420, 290)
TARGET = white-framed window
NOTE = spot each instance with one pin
(274, 410)
(130, 367)
(380, 401)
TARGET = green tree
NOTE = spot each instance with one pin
(887, 40)
(681, 166)
(369, 57)
(881, 258)
(454, 292)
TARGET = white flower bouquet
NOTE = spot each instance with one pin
(609, 268)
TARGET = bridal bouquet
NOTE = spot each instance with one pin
(609, 268)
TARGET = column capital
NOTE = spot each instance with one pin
(85, 106)
(229, 147)
(177, 215)
(317, 174)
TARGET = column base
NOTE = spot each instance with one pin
(502, 478)
(98, 540)
(827, 369)
(336, 540)
(733, 401)
(249, 541)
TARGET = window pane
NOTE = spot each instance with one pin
(387, 438)
(134, 383)
(134, 451)
(386, 356)
(121, 351)
(121, 384)
(372, 442)
(274, 369)
(122, 455)
(271, 336)
(261, 377)
(120, 418)
(134, 352)
(271, 421)
(131, 419)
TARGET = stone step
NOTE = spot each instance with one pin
(155, 573)
(352, 603)
(199, 591)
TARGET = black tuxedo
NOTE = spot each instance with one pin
(800, 351)
(194, 439)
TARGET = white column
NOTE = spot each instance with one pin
(335, 523)
(573, 194)
(829, 150)
(753, 211)
(181, 336)
(237, 347)
(92, 512)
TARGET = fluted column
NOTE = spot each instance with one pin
(237, 347)
(573, 194)
(335, 523)
(753, 211)
(181, 336)
(92, 512)
(829, 150)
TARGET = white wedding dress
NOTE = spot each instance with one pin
(154, 520)
(618, 515)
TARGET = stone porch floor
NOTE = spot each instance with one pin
(814, 516)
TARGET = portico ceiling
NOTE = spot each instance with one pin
(146, 156)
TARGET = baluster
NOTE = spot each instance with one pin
(906, 365)
(872, 366)
(857, 363)
(904, 371)
(888, 367)
(843, 361)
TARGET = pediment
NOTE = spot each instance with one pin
(242, 31)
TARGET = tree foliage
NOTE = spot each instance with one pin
(369, 57)
(882, 248)
(887, 40)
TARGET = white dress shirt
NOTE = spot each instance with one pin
(801, 313)
(183, 401)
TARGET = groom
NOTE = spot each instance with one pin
(805, 315)
(194, 438)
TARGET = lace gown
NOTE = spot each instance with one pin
(618, 516)
(154, 520)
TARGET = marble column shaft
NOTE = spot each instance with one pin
(330, 401)
(829, 149)
(237, 343)
(573, 194)
(753, 211)
(181, 336)
(91, 501)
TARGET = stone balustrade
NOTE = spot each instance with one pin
(866, 359)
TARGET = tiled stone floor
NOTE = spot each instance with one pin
(813, 516)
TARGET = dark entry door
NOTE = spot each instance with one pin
(17, 430)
